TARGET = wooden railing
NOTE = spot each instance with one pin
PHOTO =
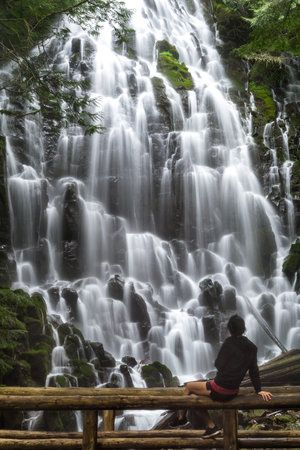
(108, 401)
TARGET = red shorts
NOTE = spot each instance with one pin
(219, 393)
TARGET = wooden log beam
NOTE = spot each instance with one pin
(108, 420)
(230, 426)
(103, 392)
(27, 435)
(150, 402)
(90, 425)
(140, 443)
(269, 443)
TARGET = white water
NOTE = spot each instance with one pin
(125, 221)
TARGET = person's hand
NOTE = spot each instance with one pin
(267, 396)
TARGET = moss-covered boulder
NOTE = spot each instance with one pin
(26, 338)
(84, 372)
(264, 101)
(291, 265)
(157, 374)
(169, 65)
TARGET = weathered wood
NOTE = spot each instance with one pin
(108, 420)
(149, 402)
(103, 392)
(140, 443)
(37, 444)
(188, 433)
(90, 424)
(269, 443)
(230, 426)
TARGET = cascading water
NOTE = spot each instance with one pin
(162, 205)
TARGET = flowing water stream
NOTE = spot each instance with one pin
(163, 205)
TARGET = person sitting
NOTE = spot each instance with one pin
(236, 357)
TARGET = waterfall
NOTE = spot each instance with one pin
(161, 202)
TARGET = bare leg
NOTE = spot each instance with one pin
(197, 388)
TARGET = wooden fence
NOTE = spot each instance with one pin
(108, 401)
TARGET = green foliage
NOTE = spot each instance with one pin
(275, 28)
(168, 64)
(42, 87)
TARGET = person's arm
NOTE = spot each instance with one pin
(222, 357)
(255, 379)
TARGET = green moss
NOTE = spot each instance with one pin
(265, 103)
(291, 264)
(84, 373)
(168, 64)
(26, 340)
(158, 375)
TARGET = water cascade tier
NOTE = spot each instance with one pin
(148, 236)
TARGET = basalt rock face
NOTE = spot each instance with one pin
(7, 266)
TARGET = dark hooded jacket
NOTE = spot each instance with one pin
(236, 356)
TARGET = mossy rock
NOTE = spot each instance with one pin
(39, 360)
(169, 65)
(264, 101)
(291, 264)
(65, 329)
(84, 373)
(26, 340)
(269, 74)
(158, 375)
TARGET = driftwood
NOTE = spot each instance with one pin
(283, 370)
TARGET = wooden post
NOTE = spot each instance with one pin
(108, 416)
(230, 426)
(90, 425)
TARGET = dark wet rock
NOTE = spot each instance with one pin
(138, 313)
(211, 330)
(115, 287)
(71, 235)
(104, 357)
(266, 299)
(71, 266)
(129, 361)
(53, 293)
(229, 299)
(132, 85)
(126, 374)
(59, 421)
(162, 102)
(7, 265)
(268, 313)
(210, 295)
(157, 374)
(71, 298)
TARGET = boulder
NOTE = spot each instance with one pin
(211, 330)
(157, 374)
(115, 287)
(71, 298)
(210, 295)
(129, 361)
(104, 357)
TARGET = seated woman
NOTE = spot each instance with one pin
(236, 356)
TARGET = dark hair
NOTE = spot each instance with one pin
(236, 325)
